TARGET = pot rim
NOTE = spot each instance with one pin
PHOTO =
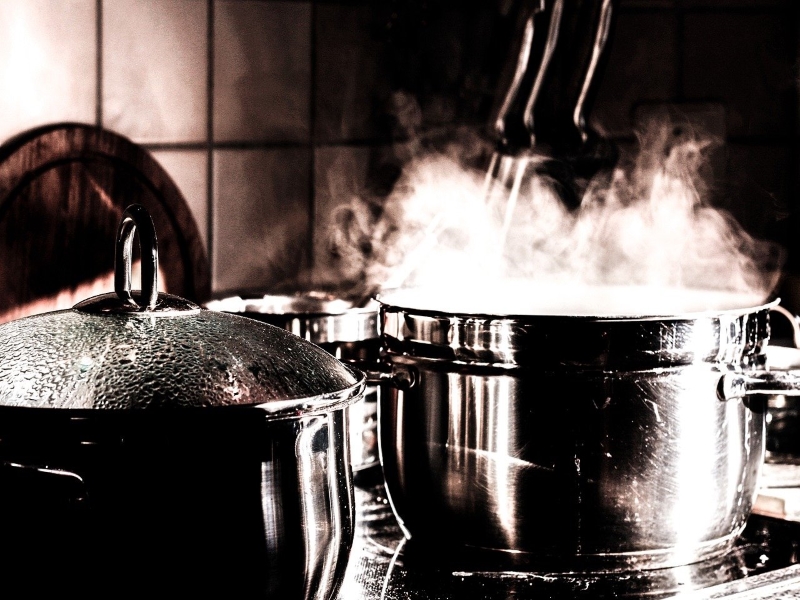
(389, 305)
(323, 403)
(316, 317)
(301, 304)
(733, 337)
(290, 408)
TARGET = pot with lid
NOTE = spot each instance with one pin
(146, 441)
(573, 442)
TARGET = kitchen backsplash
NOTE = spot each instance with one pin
(267, 114)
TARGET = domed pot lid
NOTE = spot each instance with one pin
(149, 350)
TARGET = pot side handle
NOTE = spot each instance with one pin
(768, 383)
(394, 376)
(794, 322)
(34, 486)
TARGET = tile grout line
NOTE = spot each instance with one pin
(210, 140)
(312, 126)
(272, 145)
(794, 150)
(98, 107)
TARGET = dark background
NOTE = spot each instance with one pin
(270, 113)
(730, 66)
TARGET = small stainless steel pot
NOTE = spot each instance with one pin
(349, 332)
(575, 443)
(148, 444)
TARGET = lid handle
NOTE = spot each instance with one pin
(136, 218)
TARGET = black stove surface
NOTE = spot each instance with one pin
(384, 565)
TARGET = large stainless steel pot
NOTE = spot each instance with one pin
(148, 444)
(575, 443)
(348, 330)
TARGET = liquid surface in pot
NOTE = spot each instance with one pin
(524, 297)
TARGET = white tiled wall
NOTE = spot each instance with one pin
(155, 77)
(269, 113)
(262, 71)
(48, 63)
(261, 216)
(189, 169)
(339, 177)
(218, 90)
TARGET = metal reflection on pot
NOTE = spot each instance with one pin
(145, 440)
(567, 442)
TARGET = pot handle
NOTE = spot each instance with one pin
(794, 321)
(767, 383)
(136, 218)
(400, 378)
(27, 485)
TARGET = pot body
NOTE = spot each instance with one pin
(195, 502)
(571, 444)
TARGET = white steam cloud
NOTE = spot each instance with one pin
(648, 230)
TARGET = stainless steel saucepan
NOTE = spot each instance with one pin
(575, 443)
(347, 330)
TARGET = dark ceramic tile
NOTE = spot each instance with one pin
(340, 174)
(449, 56)
(746, 61)
(352, 84)
(647, 4)
(261, 223)
(789, 293)
(757, 188)
(699, 119)
(703, 123)
(155, 69)
(346, 178)
(734, 4)
(188, 169)
(789, 229)
(642, 67)
(760, 198)
(262, 70)
(48, 64)
(372, 58)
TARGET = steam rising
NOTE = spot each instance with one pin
(649, 224)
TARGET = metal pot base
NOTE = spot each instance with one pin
(469, 558)
(615, 471)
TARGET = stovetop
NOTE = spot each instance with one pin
(763, 564)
